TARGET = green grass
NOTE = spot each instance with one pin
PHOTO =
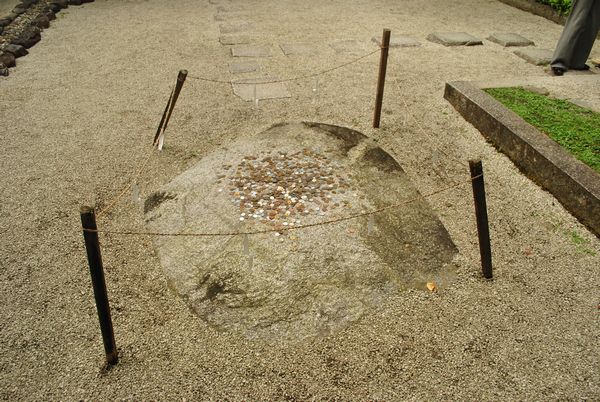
(562, 6)
(575, 128)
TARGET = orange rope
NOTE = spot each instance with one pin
(253, 232)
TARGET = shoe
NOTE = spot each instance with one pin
(558, 71)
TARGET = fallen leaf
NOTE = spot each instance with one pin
(431, 286)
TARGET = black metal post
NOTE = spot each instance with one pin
(483, 230)
(92, 246)
(385, 46)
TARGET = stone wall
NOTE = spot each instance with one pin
(21, 28)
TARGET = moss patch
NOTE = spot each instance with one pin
(575, 128)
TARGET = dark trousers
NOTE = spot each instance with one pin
(575, 43)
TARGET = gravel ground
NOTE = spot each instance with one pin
(79, 113)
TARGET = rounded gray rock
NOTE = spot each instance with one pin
(8, 59)
(16, 50)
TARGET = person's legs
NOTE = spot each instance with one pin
(577, 39)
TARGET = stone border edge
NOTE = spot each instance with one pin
(543, 10)
(33, 28)
(575, 185)
(532, 6)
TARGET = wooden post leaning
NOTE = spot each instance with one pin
(164, 121)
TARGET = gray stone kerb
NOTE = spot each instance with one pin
(574, 184)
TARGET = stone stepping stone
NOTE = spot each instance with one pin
(290, 49)
(228, 9)
(509, 39)
(351, 46)
(399, 41)
(235, 27)
(234, 39)
(454, 39)
(533, 55)
(245, 89)
(229, 16)
(251, 51)
(244, 67)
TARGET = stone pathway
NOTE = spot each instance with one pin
(243, 39)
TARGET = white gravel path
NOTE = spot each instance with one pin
(78, 115)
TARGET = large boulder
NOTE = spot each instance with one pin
(19, 9)
(16, 50)
(41, 21)
(307, 281)
(8, 59)
(29, 37)
(28, 3)
(3, 70)
(57, 5)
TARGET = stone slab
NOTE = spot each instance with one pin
(251, 51)
(351, 46)
(507, 39)
(534, 55)
(293, 285)
(290, 49)
(581, 103)
(244, 67)
(235, 27)
(454, 39)
(234, 39)
(399, 41)
(264, 89)
(574, 184)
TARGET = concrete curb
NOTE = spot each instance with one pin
(575, 185)
(543, 10)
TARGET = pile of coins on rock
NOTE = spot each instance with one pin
(284, 190)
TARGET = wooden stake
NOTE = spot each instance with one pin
(385, 46)
(164, 122)
(483, 230)
(92, 246)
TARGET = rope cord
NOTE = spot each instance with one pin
(302, 77)
(125, 188)
(254, 232)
